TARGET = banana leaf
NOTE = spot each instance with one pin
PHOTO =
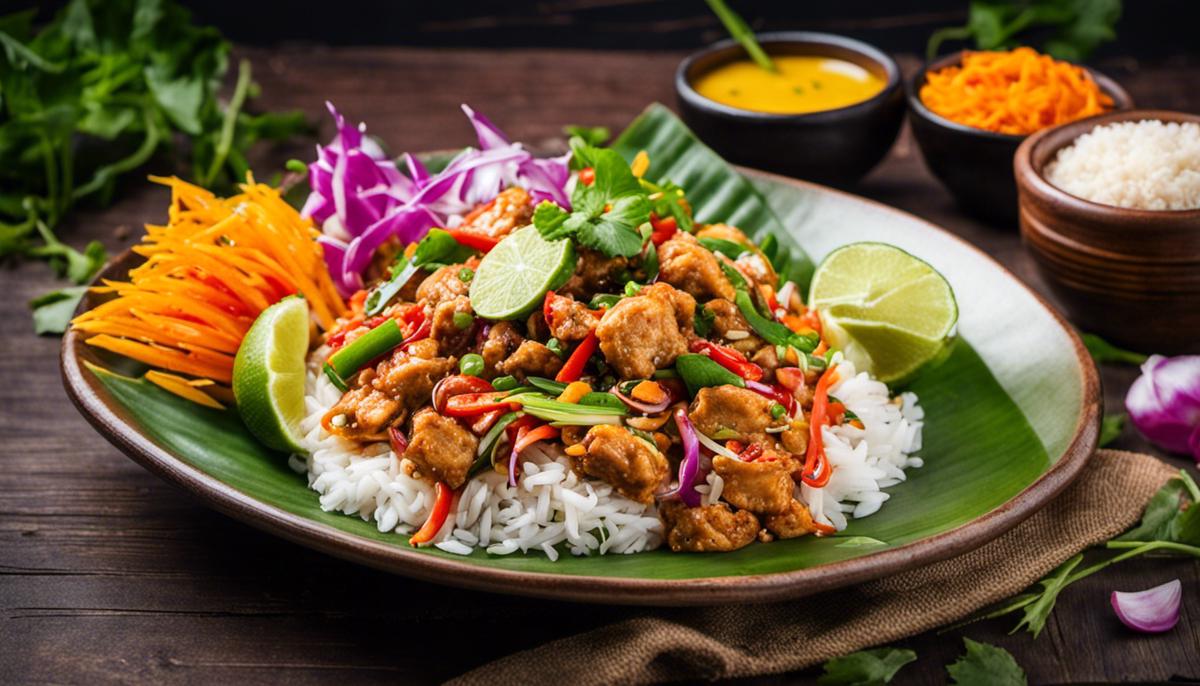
(1000, 411)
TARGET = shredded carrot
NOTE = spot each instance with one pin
(1015, 92)
(184, 388)
(209, 271)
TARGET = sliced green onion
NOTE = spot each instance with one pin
(632, 288)
(337, 380)
(604, 300)
(546, 385)
(463, 320)
(471, 364)
(556, 347)
(596, 399)
(348, 360)
(567, 414)
(742, 33)
(505, 383)
(493, 434)
(650, 262)
(383, 294)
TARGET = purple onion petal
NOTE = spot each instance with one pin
(1164, 402)
(1152, 611)
(647, 408)
(689, 466)
(490, 136)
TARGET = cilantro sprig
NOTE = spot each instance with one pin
(606, 214)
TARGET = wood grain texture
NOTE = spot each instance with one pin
(108, 574)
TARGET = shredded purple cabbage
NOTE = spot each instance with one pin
(361, 198)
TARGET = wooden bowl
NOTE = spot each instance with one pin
(1132, 276)
(975, 165)
(836, 146)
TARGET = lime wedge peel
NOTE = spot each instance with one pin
(890, 312)
(513, 278)
(269, 374)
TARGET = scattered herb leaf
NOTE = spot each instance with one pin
(1104, 352)
(866, 667)
(986, 665)
(52, 311)
(1072, 29)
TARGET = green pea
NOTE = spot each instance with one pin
(504, 383)
(471, 364)
(777, 410)
(463, 320)
(465, 274)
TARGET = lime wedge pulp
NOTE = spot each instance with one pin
(888, 311)
(513, 278)
(269, 372)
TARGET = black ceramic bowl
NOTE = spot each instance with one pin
(833, 146)
(975, 165)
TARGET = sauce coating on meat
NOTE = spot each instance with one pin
(794, 522)
(570, 320)
(512, 209)
(642, 334)
(763, 486)
(730, 412)
(383, 396)
(633, 467)
(442, 285)
(441, 448)
(708, 528)
(691, 267)
(531, 359)
(732, 328)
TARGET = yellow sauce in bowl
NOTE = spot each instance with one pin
(803, 84)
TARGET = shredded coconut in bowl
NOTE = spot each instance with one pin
(1145, 165)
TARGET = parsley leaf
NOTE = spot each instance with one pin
(1103, 352)
(866, 667)
(52, 311)
(986, 665)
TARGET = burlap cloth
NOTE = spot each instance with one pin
(655, 645)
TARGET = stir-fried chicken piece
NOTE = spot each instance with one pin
(723, 412)
(442, 285)
(732, 328)
(763, 486)
(502, 339)
(531, 359)
(441, 448)
(594, 273)
(767, 358)
(512, 209)
(383, 396)
(793, 522)
(451, 338)
(708, 528)
(648, 331)
(570, 320)
(633, 467)
(689, 266)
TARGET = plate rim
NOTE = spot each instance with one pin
(112, 423)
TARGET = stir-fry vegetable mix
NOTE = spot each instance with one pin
(662, 343)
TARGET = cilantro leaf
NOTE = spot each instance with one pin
(1072, 29)
(866, 667)
(610, 237)
(1103, 352)
(52, 311)
(590, 135)
(549, 218)
(986, 665)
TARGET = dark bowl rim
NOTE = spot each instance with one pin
(684, 89)
(1032, 180)
(1122, 101)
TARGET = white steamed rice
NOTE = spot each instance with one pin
(553, 510)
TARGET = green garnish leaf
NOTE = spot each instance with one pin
(1104, 352)
(866, 667)
(436, 248)
(986, 665)
(52, 311)
(1110, 428)
(702, 321)
(1072, 29)
(591, 135)
(700, 371)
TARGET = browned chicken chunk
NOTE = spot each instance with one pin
(442, 285)
(441, 448)
(570, 320)
(792, 523)
(451, 338)
(594, 273)
(708, 528)
(732, 328)
(689, 266)
(633, 467)
(502, 339)
(531, 359)
(724, 412)
(512, 209)
(383, 396)
(648, 331)
(763, 486)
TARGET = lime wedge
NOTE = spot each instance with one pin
(268, 374)
(889, 312)
(513, 278)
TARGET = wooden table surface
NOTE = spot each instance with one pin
(108, 574)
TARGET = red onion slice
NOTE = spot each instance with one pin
(1152, 611)
(689, 466)
(647, 408)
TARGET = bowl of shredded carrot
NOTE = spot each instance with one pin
(970, 111)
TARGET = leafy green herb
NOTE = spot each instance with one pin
(702, 321)
(437, 249)
(1110, 428)
(606, 214)
(52, 311)
(1071, 29)
(1170, 523)
(700, 371)
(986, 665)
(1104, 352)
(866, 667)
(95, 94)
(591, 135)
(742, 33)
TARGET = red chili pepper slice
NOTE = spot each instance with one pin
(587, 176)
(398, 440)
(472, 404)
(663, 228)
(728, 358)
(485, 421)
(443, 497)
(573, 369)
(457, 384)
(473, 240)
(816, 465)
